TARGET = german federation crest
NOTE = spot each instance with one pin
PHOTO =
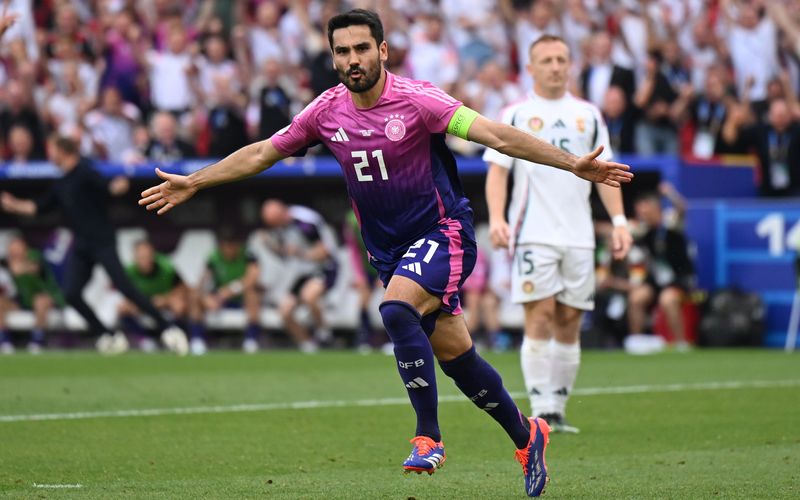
(395, 128)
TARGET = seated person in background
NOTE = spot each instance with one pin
(365, 279)
(776, 143)
(481, 305)
(31, 286)
(669, 273)
(229, 280)
(609, 318)
(156, 278)
(300, 237)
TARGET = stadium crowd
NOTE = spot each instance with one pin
(155, 81)
(159, 80)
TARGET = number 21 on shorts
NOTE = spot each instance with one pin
(415, 250)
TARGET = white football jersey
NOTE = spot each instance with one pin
(550, 206)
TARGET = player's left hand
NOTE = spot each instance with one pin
(621, 241)
(175, 190)
(605, 172)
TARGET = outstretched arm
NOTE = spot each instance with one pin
(242, 163)
(513, 142)
(14, 205)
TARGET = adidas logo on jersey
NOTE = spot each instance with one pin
(559, 124)
(414, 267)
(340, 136)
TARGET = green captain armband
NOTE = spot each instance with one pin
(461, 122)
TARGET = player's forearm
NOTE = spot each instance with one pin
(612, 199)
(496, 192)
(22, 207)
(513, 142)
(242, 163)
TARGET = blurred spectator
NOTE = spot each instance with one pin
(68, 29)
(530, 23)
(775, 143)
(263, 39)
(22, 31)
(706, 112)
(751, 41)
(432, 57)
(155, 277)
(111, 128)
(621, 118)
(609, 318)
(65, 107)
(7, 304)
(491, 91)
(481, 304)
(122, 45)
(669, 273)
(20, 145)
(656, 132)
(699, 46)
(19, 109)
(213, 66)
(230, 280)
(36, 290)
(69, 69)
(272, 96)
(601, 73)
(365, 281)
(226, 117)
(169, 74)
(165, 146)
(300, 237)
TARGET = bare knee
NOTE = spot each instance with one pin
(670, 298)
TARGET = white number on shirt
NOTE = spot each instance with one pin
(363, 162)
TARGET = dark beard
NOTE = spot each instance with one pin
(365, 83)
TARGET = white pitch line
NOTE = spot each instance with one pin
(306, 405)
(57, 486)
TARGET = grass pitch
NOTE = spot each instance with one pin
(718, 424)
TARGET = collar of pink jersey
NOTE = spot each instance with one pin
(387, 90)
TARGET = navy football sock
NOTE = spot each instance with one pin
(415, 363)
(197, 330)
(483, 386)
(252, 331)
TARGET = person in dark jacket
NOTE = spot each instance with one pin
(82, 195)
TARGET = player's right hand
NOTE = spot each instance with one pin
(173, 191)
(499, 234)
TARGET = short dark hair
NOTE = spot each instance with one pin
(547, 38)
(649, 196)
(357, 17)
(65, 144)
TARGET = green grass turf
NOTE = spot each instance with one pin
(728, 443)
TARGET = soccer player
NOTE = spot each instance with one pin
(387, 133)
(82, 195)
(553, 237)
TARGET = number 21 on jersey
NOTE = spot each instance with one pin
(362, 162)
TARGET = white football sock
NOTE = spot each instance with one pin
(566, 360)
(536, 370)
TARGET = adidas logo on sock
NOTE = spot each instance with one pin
(340, 136)
(417, 383)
